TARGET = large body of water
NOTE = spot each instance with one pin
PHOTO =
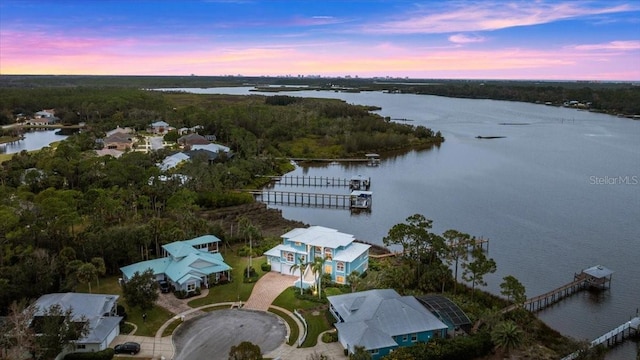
(33, 140)
(555, 196)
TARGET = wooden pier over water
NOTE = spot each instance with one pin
(594, 277)
(324, 181)
(614, 337)
(336, 201)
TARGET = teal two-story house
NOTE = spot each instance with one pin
(381, 320)
(302, 245)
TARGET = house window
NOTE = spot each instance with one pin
(340, 266)
(373, 351)
(405, 337)
(81, 346)
(328, 254)
(340, 279)
(289, 257)
(414, 337)
(328, 269)
(318, 250)
(298, 243)
(191, 286)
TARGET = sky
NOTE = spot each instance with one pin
(458, 39)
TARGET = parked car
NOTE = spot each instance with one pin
(164, 286)
(127, 348)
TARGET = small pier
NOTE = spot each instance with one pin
(614, 337)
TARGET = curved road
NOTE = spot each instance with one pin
(211, 336)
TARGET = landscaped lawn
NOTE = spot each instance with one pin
(237, 289)
(155, 317)
(295, 331)
(315, 317)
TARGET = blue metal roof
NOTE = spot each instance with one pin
(205, 239)
(185, 262)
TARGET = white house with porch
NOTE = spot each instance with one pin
(186, 265)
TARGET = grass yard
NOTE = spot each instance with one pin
(316, 319)
(237, 289)
(295, 331)
(155, 317)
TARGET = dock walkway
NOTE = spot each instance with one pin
(324, 181)
(616, 336)
(336, 201)
(540, 302)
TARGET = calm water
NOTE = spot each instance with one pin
(33, 140)
(556, 195)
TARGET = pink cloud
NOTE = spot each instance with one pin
(487, 16)
(465, 39)
(612, 45)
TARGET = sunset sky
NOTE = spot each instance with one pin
(546, 40)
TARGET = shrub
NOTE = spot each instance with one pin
(330, 337)
(265, 267)
(125, 328)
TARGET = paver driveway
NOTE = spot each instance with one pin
(267, 289)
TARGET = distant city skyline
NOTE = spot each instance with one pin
(518, 40)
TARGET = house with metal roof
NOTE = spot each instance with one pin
(301, 245)
(99, 310)
(381, 320)
(186, 265)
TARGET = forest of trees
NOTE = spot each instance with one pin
(62, 207)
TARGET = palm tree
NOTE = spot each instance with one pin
(86, 273)
(507, 335)
(317, 267)
(248, 231)
(302, 266)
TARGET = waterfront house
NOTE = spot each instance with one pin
(186, 265)
(98, 310)
(299, 246)
(381, 320)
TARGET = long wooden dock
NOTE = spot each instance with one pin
(324, 181)
(614, 337)
(597, 277)
(540, 302)
(336, 201)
